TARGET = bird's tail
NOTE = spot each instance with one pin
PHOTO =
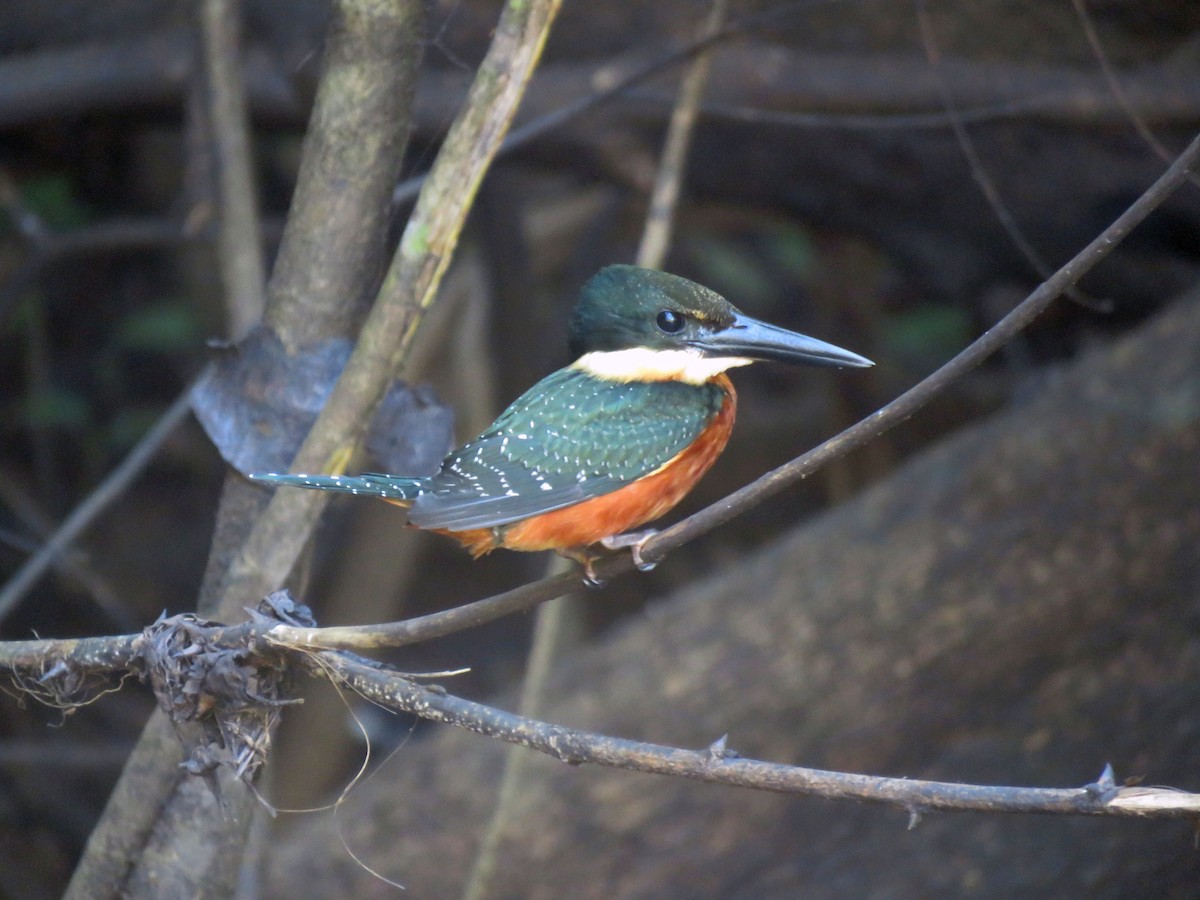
(389, 487)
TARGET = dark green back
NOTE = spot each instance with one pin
(570, 437)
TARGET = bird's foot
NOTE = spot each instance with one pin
(588, 560)
(634, 540)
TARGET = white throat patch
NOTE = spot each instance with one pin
(644, 364)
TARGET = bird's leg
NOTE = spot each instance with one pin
(634, 541)
(588, 560)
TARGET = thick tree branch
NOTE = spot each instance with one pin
(269, 553)
(135, 847)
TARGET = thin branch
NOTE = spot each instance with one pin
(928, 388)
(719, 765)
(99, 500)
(1118, 91)
(979, 171)
(239, 240)
(440, 624)
(867, 121)
(656, 238)
(25, 504)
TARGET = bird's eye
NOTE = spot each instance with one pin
(669, 321)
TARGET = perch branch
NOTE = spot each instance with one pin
(924, 391)
(656, 548)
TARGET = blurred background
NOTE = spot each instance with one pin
(827, 191)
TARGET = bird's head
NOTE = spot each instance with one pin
(633, 323)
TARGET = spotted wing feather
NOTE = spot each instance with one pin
(390, 487)
(569, 438)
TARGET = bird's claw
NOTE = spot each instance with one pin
(590, 578)
(634, 540)
(588, 561)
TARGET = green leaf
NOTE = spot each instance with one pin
(57, 408)
(165, 327)
(52, 199)
(128, 426)
(926, 335)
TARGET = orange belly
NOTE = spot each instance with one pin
(624, 509)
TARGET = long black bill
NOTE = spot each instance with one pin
(751, 339)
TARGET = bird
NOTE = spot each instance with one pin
(610, 442)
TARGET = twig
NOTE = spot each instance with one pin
(239, 241)
(656, 238)
(85, 513)
(979, 171)
(867, 121)
(719, 765)
(440, 624)
(1114, 85)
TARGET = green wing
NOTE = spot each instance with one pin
(569, 438)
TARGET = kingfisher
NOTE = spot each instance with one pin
(612, 441)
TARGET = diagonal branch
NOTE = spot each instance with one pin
(109, 490)
(408, 289)
(926, 390)
(746, 498)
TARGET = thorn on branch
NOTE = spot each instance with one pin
(1103, 788)
(719, 750)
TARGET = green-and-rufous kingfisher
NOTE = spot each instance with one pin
(612, 441)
